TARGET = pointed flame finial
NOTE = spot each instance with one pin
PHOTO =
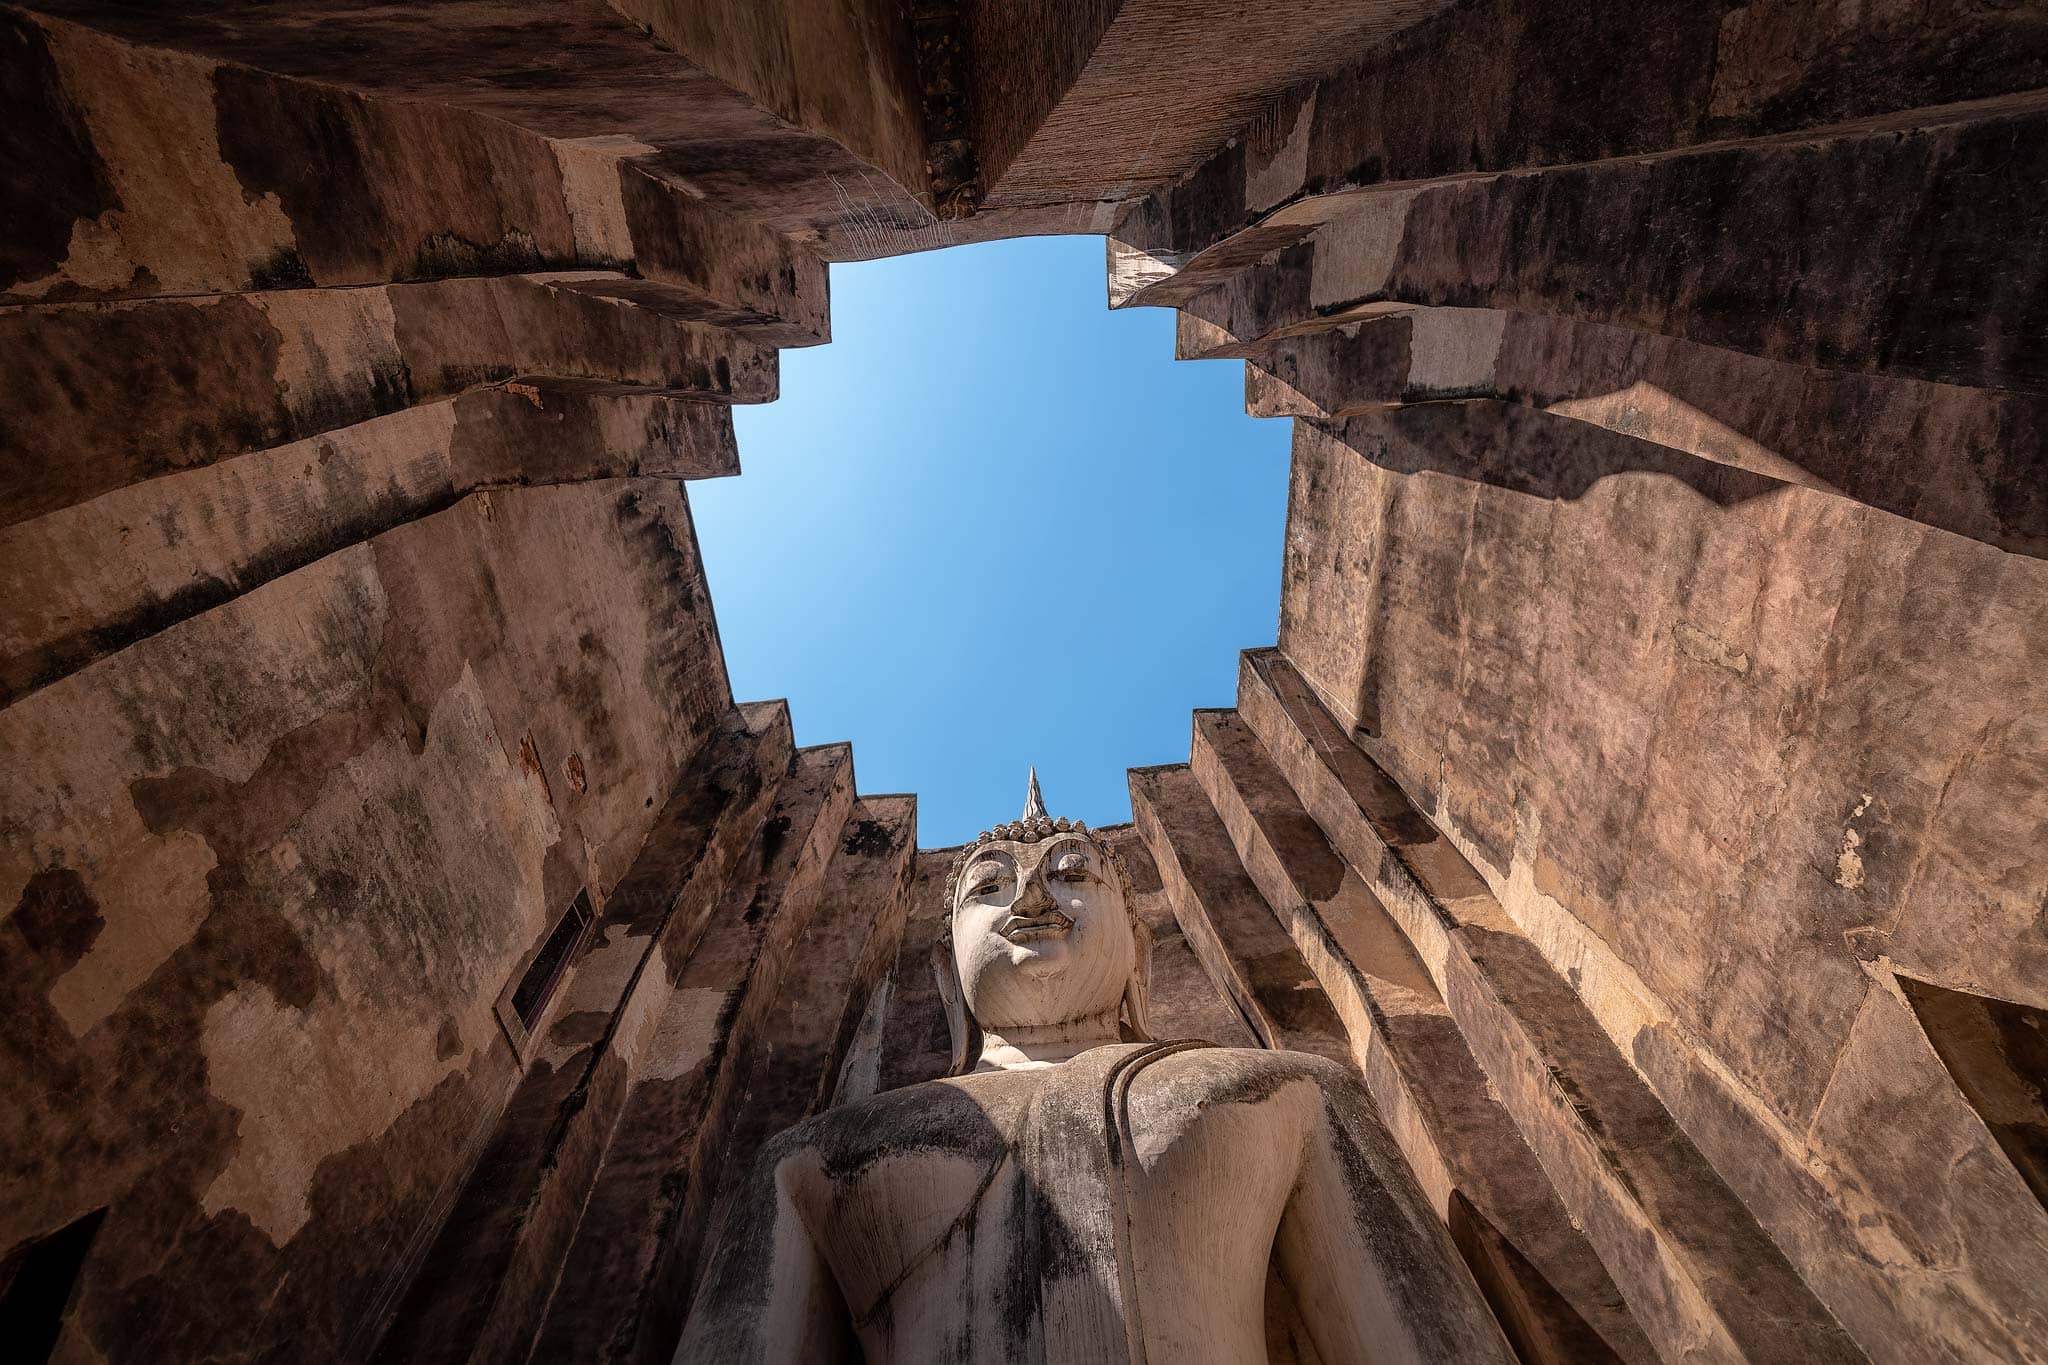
(1034, 804)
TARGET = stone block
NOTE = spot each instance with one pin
(92, 578)
(1616, 1157)
(1519, 85)
(1185, 1000)
(1965, 460)
(482, 1285)
(230, 179)
(628, 1272)
(1418, 1064)
(1239, 941)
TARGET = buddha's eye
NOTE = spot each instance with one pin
(986, 888)
(1072, 868)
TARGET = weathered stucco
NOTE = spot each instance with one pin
(405, 941)
(275, 905)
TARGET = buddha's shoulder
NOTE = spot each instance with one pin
(975, 1117)
(1246, 1075)
(965, 1116)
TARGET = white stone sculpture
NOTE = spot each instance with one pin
(1077, 1192)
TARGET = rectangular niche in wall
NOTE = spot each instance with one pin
(1997, 1053)
(526, 999)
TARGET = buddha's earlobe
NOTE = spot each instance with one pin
(1137, 1003)
(961, 1025)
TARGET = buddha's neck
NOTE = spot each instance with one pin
(1026, 1047)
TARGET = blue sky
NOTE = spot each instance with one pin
(995, 524)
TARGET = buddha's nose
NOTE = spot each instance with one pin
(1033, 898)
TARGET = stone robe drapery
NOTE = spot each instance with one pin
(1009, 1217)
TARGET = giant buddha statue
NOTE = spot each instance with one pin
(1076, 1191)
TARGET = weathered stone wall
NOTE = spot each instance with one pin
(1054, 78)
(841, 72)
(1735, 752)
(1648, 793)
(351, 633)
(270, 869)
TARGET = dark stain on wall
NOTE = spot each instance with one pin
(239, 818)
(866, 839)
(105, 397)
(356, 220)
(132, 1097)
(1948, 282)
(679, 637)
(303, 146)
(57, 917)
(375, 508)
(54, 177)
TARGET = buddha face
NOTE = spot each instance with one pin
(1040, 933)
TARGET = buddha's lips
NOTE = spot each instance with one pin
(1020, 928)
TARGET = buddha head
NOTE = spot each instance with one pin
(1042, 932)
